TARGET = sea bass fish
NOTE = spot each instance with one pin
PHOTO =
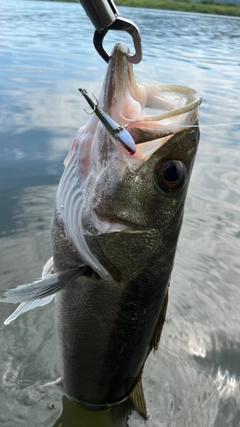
(114, 235)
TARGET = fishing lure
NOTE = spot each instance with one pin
(119, 133)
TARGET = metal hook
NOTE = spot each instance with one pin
(90, 101)
(120, 25)
(105, 16)
(91, 112)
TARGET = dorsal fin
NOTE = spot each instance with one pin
(158, 329)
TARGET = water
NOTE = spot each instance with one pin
(46, 53)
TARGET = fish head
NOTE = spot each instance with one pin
(120, 210)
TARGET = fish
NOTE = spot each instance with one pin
(115, 231)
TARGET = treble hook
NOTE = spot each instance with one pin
(105, 17)
(90, 101)
(118, 132)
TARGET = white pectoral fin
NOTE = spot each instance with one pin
(47, 268)
(39, 292)
(27, 306)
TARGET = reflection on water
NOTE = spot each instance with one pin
(193, 380)
(72, 413)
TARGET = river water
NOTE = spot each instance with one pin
(46, 53)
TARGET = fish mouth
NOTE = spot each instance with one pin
(123, 98)
(150, 112)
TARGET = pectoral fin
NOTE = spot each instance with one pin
(27, 306)
(40, 292)
(41, 288)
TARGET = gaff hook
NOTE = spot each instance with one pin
(105, 17)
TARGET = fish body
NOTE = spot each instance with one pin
(128, 225)
(115, 230)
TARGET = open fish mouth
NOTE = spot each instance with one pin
(150, 112)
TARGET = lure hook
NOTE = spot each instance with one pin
(119, 133)
(84, 93)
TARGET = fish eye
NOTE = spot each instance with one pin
(170, 175)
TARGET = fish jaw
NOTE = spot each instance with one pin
(97, 165)
(123, 99)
